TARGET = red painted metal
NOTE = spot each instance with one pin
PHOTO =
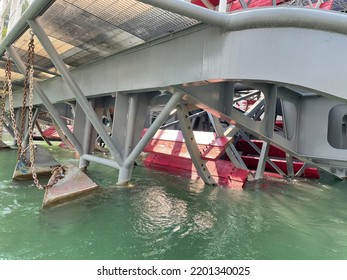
(251, 158)
(235, 5)
(51, 133)
(252, 163)
(247, 149)
(223, 171)
(168, 151)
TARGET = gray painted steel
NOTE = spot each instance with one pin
(271, 49)
(80, 97)
(268, 17)
(192, 146)
(212, 55)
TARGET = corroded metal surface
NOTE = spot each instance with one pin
(44, 163)
(74, 184)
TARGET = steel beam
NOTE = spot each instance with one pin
(230, 150)
(274, 166)
(81, 99)
(252, 93)
(87, 131)
(112, 73)
(262, 161)
(268, 17)
(270, 110)
(195, 155)
(171, 104)
(62, 136)
(99, 160)
(49, 106)
(290, 166)
(41, 133)
(125, 172)
(190, 10)
(190, 117)
(243, 4)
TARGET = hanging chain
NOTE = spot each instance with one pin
(59, 171)
(2, 111)
(8, 90)
(29, 77)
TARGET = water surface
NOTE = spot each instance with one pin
(166, 217)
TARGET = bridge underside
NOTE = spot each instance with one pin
(296, 68)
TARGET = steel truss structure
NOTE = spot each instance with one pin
(197, 57)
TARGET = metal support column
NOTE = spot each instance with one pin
(125, 172)
(270, 110)
(290, 166)
(195, 155)
(86, 140)
(262, 161)
(81, 99)
(289, 157)
(171, 104)
(49, 106)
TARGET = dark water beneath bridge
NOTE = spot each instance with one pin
(166, 217)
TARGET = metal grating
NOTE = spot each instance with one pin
(83, 31)
(104, 27)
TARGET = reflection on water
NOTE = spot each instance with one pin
(167, 217)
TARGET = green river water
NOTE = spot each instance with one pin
(166, 217)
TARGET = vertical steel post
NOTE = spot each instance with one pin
(290, 166)
(171, 104)
(125, 172)
(49, 106)
(86, 141)
(270, 110)
(76, 90)
(262, 161)
(289, 157)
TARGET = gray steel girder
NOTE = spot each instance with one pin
(211, 55)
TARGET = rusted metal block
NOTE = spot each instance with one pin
(44, 163)
(72, 184)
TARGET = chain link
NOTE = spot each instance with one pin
(59, 171)
(2, 111)
(8, 91)
(29, 77)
